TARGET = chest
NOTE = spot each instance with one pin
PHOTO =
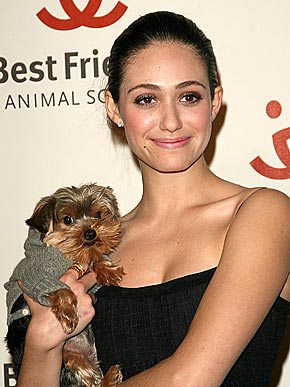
(156, 253)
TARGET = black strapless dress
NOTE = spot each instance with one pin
(139, 327)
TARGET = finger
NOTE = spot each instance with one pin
(29, 300)
(71, 275)
(89, 280)
(32, 304)
(93, 297)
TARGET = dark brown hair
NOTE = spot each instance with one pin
(161, 26)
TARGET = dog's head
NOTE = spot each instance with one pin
(78, 219)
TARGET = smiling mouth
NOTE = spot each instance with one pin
(171, 143)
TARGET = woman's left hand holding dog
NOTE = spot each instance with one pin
(45, 338)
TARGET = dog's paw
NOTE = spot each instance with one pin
(108, 273)
(113, 377)
(64, 305)
(115, 275)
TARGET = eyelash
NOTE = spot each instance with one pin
(141, 99)
(197, 97)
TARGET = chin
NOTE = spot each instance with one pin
(173, 170)
(170, 167)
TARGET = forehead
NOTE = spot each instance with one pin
(164, 64)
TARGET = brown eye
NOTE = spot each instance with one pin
(191, 98)
(98, 215)
(68, 220)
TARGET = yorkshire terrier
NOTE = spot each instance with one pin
(83, 223)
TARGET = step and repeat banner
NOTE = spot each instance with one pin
(53, 62)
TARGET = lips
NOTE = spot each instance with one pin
(171, 143)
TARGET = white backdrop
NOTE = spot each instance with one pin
(67, 142)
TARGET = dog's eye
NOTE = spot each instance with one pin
(98, 214)
(68, 220)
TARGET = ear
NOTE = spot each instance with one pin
(42, 216)
(217, 101)
(110, 201)
(112, 108)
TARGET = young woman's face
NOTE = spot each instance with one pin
(166, 107)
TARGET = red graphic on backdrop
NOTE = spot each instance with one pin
(79, 18)
(273, 110)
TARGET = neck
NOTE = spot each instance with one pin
(167, 193)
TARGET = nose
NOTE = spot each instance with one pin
(90, 234)
(170, 118)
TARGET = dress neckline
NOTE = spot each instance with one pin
(170, 286)
(160, 288)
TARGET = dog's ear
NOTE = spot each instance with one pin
(43, 214)
(110, 200)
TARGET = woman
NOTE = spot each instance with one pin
(207, 260)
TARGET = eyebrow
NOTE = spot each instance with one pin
(152, 86)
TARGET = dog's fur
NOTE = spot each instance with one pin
(83, 223)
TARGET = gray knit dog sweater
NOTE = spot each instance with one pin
(38, 271)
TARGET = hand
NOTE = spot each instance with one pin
(44, 331)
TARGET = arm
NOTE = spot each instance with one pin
(252, 271)
(40, 366)
(45, 338)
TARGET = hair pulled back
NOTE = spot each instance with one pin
(161, 26)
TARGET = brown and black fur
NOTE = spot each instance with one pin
(83, 223)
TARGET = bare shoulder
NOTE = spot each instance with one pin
(260, 235)
(270, 194)
(267, 202)
(264, 215)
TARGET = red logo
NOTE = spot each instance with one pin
(280, 138)
(79, 18)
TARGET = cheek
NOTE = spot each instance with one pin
(198, 119)
(137, 124)
(203, 122)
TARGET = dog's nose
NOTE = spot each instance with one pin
(90, 234)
